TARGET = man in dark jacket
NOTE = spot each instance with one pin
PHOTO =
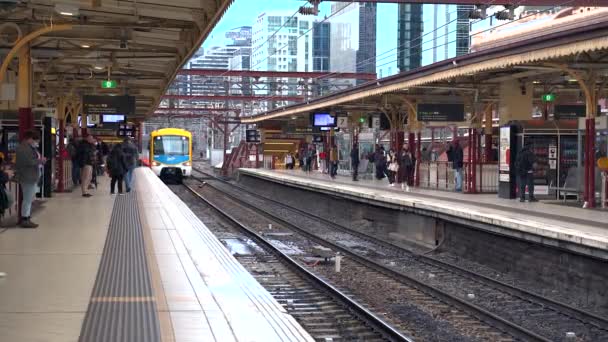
(354, 161)
(524, 165)
(456, 156)
(86, 160)
(27, 171)
(130, 152)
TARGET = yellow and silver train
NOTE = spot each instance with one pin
(171, 150)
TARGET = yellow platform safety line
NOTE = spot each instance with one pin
(122, 299)
(21, 43)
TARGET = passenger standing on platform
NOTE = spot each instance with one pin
(456, 155)
(406, 165)
(392, 168)
(524, 164)
(86, 160)
(323, 161)
(288, 161)
(27, 173)
(117, 168)
(354, 161)
(308, 159)
(333, 161)
(73, 151)
(130, 152)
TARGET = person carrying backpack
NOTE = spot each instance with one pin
(524, 165)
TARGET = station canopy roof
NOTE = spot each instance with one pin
(477, 75)
(139, 44)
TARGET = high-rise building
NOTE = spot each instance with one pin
(429, 33)
(353, 37)
(409, 40)
(445, 32)
(282, 42)
(285, 43)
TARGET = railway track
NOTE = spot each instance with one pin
(325, 312)
(516, 311)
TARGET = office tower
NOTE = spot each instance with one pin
(409, 41)
(353, 38)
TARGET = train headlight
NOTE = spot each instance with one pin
(155, 163)
(188, 163)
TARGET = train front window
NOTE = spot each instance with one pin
(172, 145)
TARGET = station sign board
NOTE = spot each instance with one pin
(571, 112)
(252, 136)
(451, 112)
(105, 104)
(342, 121)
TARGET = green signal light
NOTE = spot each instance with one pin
(548, 97)
(109, 84)
(361, 120)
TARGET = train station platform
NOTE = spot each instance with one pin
(579, 230)
(138, 267)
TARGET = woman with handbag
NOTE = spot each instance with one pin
(393, 167)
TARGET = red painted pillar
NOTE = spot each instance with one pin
(586, 160)
(412, 141)
(591, 162)
(400, 138)
(488, 148)
(475, 163)
(418, 155)
(61, 157)
(468, 168)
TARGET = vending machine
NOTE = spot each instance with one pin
(555, 145)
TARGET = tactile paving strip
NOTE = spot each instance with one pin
(122, 306)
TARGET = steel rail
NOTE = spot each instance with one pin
(480, 313)
(361, 312)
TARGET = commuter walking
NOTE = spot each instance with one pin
(524, 165)
(86, 160)
(72, 149)
(27, 173)
(116, 168)
(323, 161)
(354, 161)
(333, 161)
(130, 154)
(405, 160)
(456, 156)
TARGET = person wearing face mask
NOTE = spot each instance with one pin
(27, 173)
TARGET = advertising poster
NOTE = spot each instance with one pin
(505, 149)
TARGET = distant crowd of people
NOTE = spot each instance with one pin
(396, 166)
(90, 158)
